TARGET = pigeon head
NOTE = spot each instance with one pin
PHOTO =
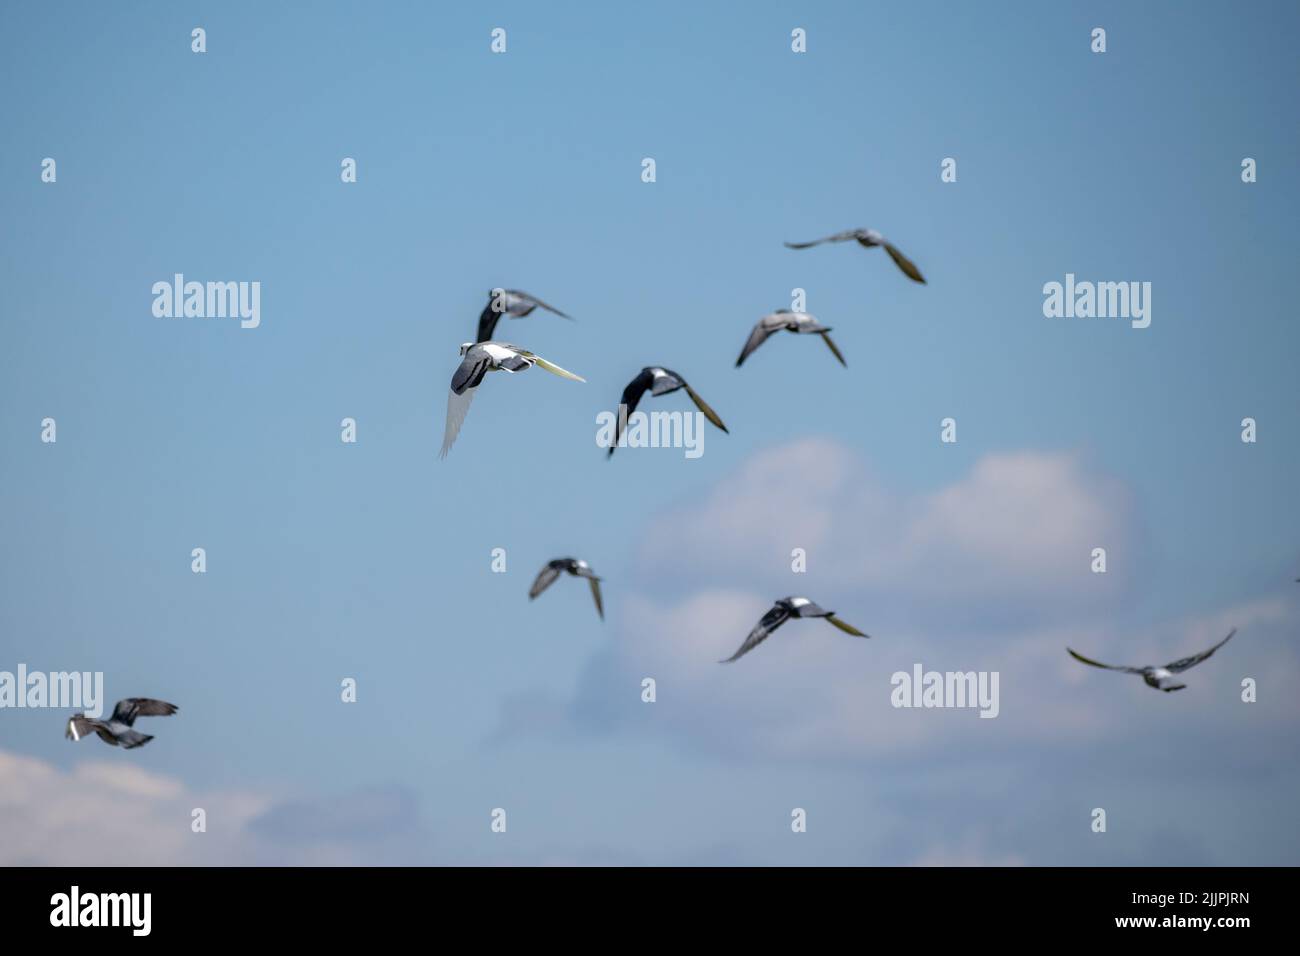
(465, 347)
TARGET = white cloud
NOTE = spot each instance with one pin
(1005, 549)
(105, 814)
(1018, 527)
(101, 813)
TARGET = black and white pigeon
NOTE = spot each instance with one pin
(479, 358)
(1161, 678)
(574, 566)
(868, 238)
(659, 381)
(509, 302)
(117, 730)
(800, 323)
(781, 612)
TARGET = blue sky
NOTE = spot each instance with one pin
(372, 560)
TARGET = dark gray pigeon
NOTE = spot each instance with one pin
(658, 380)
(118, 729)
(575, 566)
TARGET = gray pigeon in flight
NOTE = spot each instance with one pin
(509, 302)
(868, 238)
(800, 323)
(574, 566)
(1161, 678)
(658, 380)
(479, 358)
(117, 730)
(781, 612)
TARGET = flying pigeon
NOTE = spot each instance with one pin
(513, 303)
(801, 323)
(781, 612)
(868, 238)
(578, 568)
(1161, 678)
(117, 729)
(659, 381)
(479, 359)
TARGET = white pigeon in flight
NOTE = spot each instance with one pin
(479, 359)
(781, 612)
(1161, 678)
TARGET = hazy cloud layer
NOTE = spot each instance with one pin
(106, 813)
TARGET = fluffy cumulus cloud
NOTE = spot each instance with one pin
(102, 813)
(1019, 528)
(989, 573)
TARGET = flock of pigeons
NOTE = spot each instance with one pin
(488, 355)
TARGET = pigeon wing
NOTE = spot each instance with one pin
(831, 345)
(487, 321)
(552, 367)
(770, 621)
(838, 237)
(845, 626)
(457, 409)
(904, 263)
(126, 711)
(471, 370)
(547, 307)
(1110, 667)
(1179, 666)
(595, 595)
(545, 578)
(631, 397)
(756, 338)
(703, 406)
